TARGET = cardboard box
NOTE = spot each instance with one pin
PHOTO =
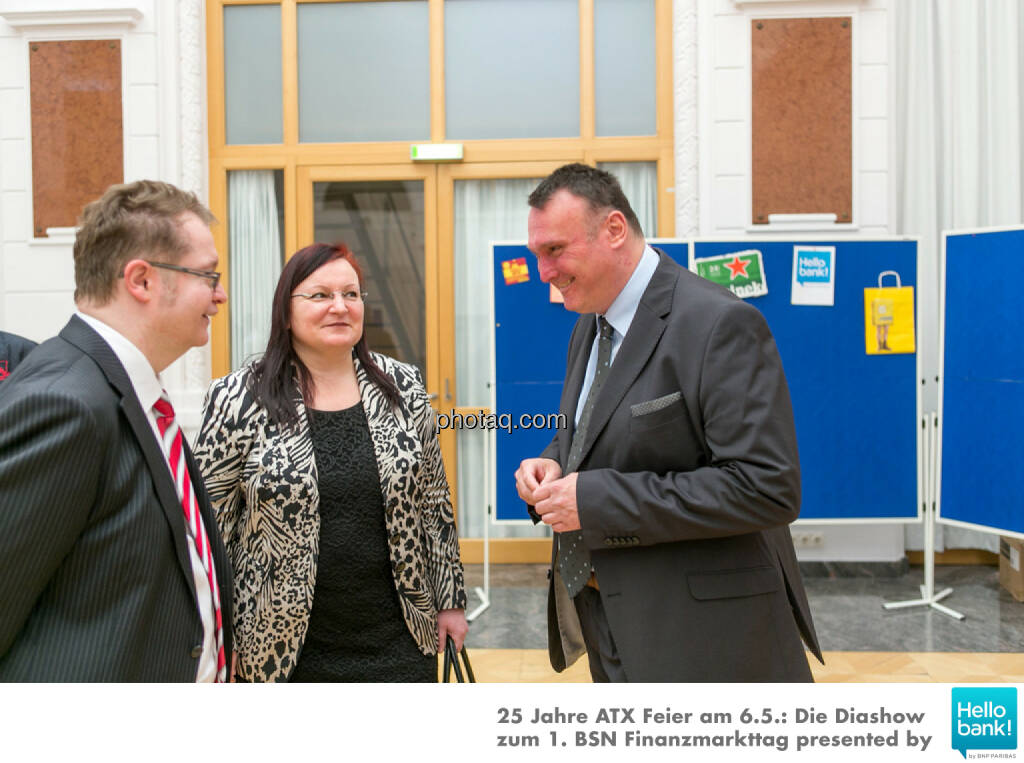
(1011, 573)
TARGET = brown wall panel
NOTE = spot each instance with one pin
(802, 117)
(77, 130)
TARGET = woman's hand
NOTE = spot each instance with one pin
(451, 622)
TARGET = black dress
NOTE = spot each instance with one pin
(356, 629)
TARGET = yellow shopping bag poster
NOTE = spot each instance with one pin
(889, 318)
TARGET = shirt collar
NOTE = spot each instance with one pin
(620, 314)
(146, 383)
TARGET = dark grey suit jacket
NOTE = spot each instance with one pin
(689, 480)
(95, 576)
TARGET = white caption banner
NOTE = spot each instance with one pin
(499, 722)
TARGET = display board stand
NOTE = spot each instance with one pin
(929, 597)
(485, 592)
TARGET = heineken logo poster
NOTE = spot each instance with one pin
(742, 273)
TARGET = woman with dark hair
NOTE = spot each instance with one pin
(323, 466)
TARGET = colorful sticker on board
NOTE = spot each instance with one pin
(515, 271)
(814, 276)
(742, 273)
(889, 318)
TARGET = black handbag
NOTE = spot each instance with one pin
(451, 659)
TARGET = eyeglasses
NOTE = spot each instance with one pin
(211, 275)
(323, 297)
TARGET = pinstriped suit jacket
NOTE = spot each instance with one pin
(95, 578)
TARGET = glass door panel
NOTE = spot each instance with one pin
(382, 222)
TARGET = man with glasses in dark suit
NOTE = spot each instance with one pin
(111, 567)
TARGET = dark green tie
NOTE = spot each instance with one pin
(573, 556)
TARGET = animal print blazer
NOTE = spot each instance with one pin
(262, 482)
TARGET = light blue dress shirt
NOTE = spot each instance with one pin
(620, 316)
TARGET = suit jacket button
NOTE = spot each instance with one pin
(197, 651)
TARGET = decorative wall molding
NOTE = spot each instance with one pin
(192, 89)
(35, 18)
(194, 368)
(685, 83)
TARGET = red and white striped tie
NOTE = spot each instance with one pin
(173, 448)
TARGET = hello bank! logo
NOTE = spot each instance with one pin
(984, 719)
(813, 266)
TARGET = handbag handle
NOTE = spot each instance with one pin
(451, 659)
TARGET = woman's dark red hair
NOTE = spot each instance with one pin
(272, 382)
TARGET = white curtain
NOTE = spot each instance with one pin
(957, 74)
(487, 211)
(255, 259)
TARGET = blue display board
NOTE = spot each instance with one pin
(531, 338)
(857, 415)
(982, 382)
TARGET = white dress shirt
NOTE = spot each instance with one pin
(148, 388)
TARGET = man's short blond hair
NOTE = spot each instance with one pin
(140, 220)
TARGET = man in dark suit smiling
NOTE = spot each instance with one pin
(111, 568)
(671, 497)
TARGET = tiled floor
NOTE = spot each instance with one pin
(863, 641)
(848, 612)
